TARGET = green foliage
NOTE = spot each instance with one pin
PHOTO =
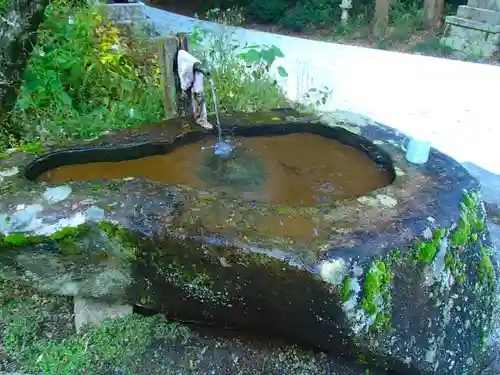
(268, 10)
(406, 18)
(241, 74)
(4, 7)
(92, 351)
(311, 13)
(86, 76)
(234, 16)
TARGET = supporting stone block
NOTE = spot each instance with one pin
(90, 311)
(472, 37)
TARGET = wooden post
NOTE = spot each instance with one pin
(184, 104)
(381, 17)
(168, 74)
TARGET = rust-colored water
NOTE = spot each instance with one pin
(301, 169)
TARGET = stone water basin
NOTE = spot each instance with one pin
(317, 231)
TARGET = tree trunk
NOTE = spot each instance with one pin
(381, 17)
(18, 28)
(434, 12)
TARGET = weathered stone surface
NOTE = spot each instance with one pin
(475, 30)
(402, 276)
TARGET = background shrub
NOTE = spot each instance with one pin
(267, 10)
(311, 13)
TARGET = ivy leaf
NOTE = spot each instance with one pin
(282, 72)
(251, 56)
(66, 99)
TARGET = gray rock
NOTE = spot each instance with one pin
(373, 282)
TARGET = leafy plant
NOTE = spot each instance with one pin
(263, 57)
(316, 97)
(86, 76)
(4, 7)
(311, 12)
(267, 10)
(234, 16)
(241, 74)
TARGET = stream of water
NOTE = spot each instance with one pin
(222, 148)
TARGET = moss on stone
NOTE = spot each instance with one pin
(65, 238)
(427, 250)
(377, 296)
(470, 223)
(346, 289)
(4, 155)
(485, 269)
(20, 239)
(34, 148)
(70, 232)
(455, 266)
(124, 236)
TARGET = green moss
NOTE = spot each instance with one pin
(4, 155)
(15, 239)
(427, 251)
(461, 234)
(456, 268)
(346, 289)
(70, 232)
(96, 350)
(485, 270)
(34, 148)
(66, 239)
(376, 284)
(124, 236)
(470, 224)
(20, 239)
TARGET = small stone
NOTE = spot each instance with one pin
(333, 271)
(368, 200)
(387, 200)
(9, 172)
(94, 213)
(93, 312)
(427, 234)
(57, 194)
(399, 171)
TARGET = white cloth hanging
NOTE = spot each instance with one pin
(191, 79)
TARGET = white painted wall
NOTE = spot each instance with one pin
(456, 102)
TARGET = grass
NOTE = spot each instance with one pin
(38, 336)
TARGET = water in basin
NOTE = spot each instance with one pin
(294, 169)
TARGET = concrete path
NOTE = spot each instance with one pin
(453, 102)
